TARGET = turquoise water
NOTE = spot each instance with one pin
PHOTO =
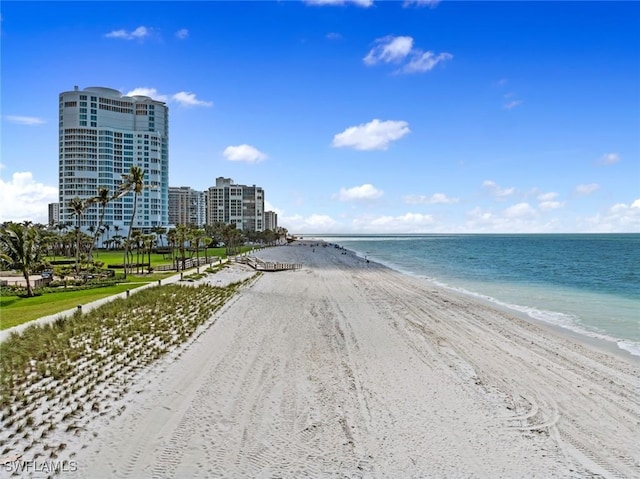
(589, 283)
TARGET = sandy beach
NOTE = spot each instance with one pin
(345, 368)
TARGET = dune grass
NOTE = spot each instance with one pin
(56, 378)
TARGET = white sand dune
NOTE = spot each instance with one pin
(348, 369)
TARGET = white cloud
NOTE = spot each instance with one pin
(511, 100)
(25, 120)
(424, 62)
(150, 92)
(269, 207)
(244, 153)
(436, 198)
(550, 205)
(23, 198)
(547, 201)
(519, 210)
(333, 36)
(315, 223)
(375, 135)
(478, 215)
(547, 196)
(364, 192)
(587, 189)
(389, 49)
(421, 3)
(620, 218)
(406, 223)
(518, 218)
(139, 33)
(392, 49)
(609, 158)
(185, 98)
(512, 104)
(360, 3)
(182, 33)
(496, 191)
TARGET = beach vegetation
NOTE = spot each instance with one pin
(21, 248)
(76, 366)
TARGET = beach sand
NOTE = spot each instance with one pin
(346, 368)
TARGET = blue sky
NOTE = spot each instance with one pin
(355, 117)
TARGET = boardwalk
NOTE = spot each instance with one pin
(260, 265)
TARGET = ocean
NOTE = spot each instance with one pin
(589, 283)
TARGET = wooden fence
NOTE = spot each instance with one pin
(189, 263)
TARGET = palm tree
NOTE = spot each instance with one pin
(117, 241)
(172, 237)
(103, 197)
(182, 235)
(94, 232)
(105, 229)
(231, 236)
(195, 237)
(132, 182)
(128, 248)
(149, 242)
(206, 242)
(136, 239)
(21, 248)
(67, 242)
(77, 207)
(102, 231)
(159, 231)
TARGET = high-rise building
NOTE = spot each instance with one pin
(102, 135)
(270, 220)
(186, 206)
(54, 213)
(236, 204)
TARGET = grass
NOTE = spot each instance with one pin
(117, 256)
(78, 368)
(15, 310)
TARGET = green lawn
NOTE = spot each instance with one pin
(117, 256)
(15, 310)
